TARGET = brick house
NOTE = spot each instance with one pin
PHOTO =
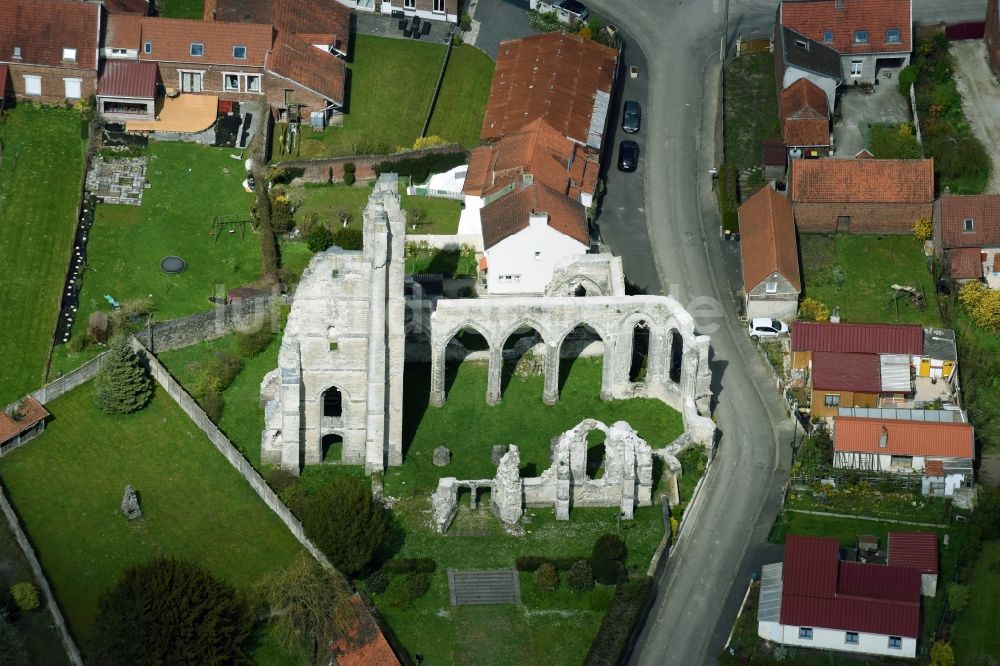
(967, 235)
(805, 120)
(869, 35)
(797, 57)
(769, 250)
(436, 10)
(861, 195)
(324, 23)
(50, 49)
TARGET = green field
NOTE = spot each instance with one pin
(750, 109)
(67, 486)
(975, 631)
(40, 178)
(183, 9)
(461, 104)
(870, 264)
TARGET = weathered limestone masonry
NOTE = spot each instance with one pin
(341, 359)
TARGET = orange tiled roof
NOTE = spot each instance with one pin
(843, 18)
(538, 149)
(847, 180)
(43, 28)
(321, 72)
(965, 263)
(314, 17)
(805, 132)
(124, 31)
(171, 41)
(365, 644)
(556, 76)
(767, 239)
(934, 468)
(982, 209)
(804, 99)
(31, 413)
(509, 214)
(909, 438)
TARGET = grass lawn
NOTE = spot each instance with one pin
(461, 104)
(975, 631)
(390, 85)
(457, 263)
(324, 200)
(870, 265)
(750, 109)
(67, 486)
(183, 9)
(190, 186)
(40, 178)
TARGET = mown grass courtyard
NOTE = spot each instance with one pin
(67, 487)
(40, 178)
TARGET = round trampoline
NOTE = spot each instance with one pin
(172, 264)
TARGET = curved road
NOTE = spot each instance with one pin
(702, 586)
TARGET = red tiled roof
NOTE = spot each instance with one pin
(965, 263)
(538, 149)
(509, 214)
(832, 371)
(848, 180)
(863, 154)
(933, 468)
(774, 152)
(128, 78)
(804, 99)
(910, 438)
(556, 76)
(124, 31)
(861, 338)
(171, 41)
(843, 17)
(767, 239)
(314, 18)
(982, 209)
(321, 72)
(805, 132)
(364, 644)
(819, 591)
(918, 550)
(31, 413)
(43, 28)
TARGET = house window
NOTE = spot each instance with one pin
(968, 224)
(851, 638)
(895, 642)
(439, 6)
(409, 4)
(289, 97)
(828, 36)
(538, 255)
(119, 52)
(231, 82)
(32, 84)
(147, 47)
(860, 36)
(197, 49)
(253, 82)
(69, 54)
(73, 88)
(771, 287)
(240, 52)
(17, 52)
(831, 400)
(901, 462)
(893, 36)
(806, 633)
(856, 68)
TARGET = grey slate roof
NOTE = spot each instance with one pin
(813, 57)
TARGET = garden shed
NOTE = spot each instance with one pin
(21, 422)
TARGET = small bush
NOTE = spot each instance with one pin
(419, 169)
(812, 310)
(581, 576)
(349, 238)
(613, 638)
(531, 562)
(546, 578)
(377, 582)
(982, 304)
(25, 596)
(923, 229)
(405, 565)
(251, 344)
(465, 23)
(417, 584)
(77, 343)
(906, 78)
(544, 21)
(282, 217)
(349, 173)
(424, 565)
(319, 239)
(609, 547)
(606, 559)
(565, 563)
(211, 404)
(942, 654)
(397, 595)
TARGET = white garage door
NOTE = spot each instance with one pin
(73, 88)
(32, 84)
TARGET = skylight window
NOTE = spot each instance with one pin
(197, 49)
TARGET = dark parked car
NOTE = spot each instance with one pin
(573, 8)
(632, 117)
(628, 155)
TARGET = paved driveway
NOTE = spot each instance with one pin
(500, 20)
(859, 110)
(980, 99)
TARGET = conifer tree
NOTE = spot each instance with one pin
(122, 386)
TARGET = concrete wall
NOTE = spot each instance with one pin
(835, 639)
(783, 304)
(866, 218)
(524, 262)
(69, 381)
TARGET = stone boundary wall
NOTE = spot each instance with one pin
(69, 381)
(913, 110)
(318, 171)
(244, 317)
(447, 242)
(230, 452)
(72, 651)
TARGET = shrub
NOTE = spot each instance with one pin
(906, 78)
(812, 310)
(429, 142)
(457, 39)
(403, 565)
(424, 565)
(349, 238)
(346, 523)
(398, 594)
(544, 21)
(619, 623)
(25, 596)
(530, 562)
(417, 584)
(581, 576)
(942, 654)
(187, 616)
(122, 385)
(894, 142)
(377, 582)
(419, 169)
(565, 563)
(282, 217)
(606, 559)
(923, 229)
(77, 343)
(609, 547)
(251, 344)
(349, 177)
(211, 403)
(982, 304)
(546, 578)
(958, 597)
(319, 239)
(465, 23)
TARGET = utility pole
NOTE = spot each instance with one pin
(725, 33)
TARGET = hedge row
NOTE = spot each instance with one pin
(532, 562)
(626, 609)
(401, 565)
(419, 169)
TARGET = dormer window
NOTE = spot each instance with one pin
(239, 52)
(147, 47)
(802, 44)
(968, 224)
(893, 36)
(828, 36)
(860, 36)
(69, 54)
(17, 52)
(197, 49)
